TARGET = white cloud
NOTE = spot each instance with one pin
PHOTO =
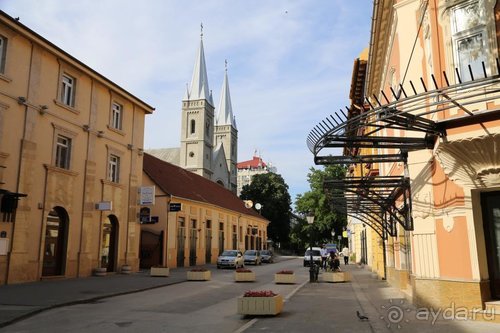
(289, 62)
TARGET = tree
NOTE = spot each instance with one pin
(318, 202)
(271, 191)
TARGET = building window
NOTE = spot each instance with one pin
(3, 52)
(114, 168)
(63, 152)
(182, 222)
(193, 126)
(193, 224)
(209, 224)
(68, 90)
(116, 116)
(470, 39)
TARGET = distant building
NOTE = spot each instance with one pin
(247, 169)
(209, 137)
(207, 220)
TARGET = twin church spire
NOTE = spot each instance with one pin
(200, 90)
(209, 137)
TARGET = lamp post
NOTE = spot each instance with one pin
(310, 221)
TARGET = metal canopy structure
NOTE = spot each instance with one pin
(378, 201)
(412, 114)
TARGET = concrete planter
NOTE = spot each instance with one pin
(126, 269)
(199, 276)
(284, 278)
(260, 305)
(336, 276)
(159, 271)
(100, 271)
(244, 276)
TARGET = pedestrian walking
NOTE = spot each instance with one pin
(345, 252)
(324, 256)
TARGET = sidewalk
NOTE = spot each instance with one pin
(314, 307)
(332, 307)
(18, 301)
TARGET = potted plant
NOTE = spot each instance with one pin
(159, 271)
(244, 275)
(199, 274)
(284, 276)
(263, 302)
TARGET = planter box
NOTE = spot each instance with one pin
(199, 276)
(160, 271)
(244, 276)
(284, 278)
(260, 305)
(336, 276)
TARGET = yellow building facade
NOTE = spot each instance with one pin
(195, 219)
(70, 159)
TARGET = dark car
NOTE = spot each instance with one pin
(267, 256)
(252, 257)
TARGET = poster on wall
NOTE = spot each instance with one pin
(146, 195)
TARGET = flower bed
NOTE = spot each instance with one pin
(284, 276)
(159, 271)
(244, 275)
(199, 274)
(263, 302)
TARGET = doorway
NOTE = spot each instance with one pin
(490, 203)
(56, 235)
(109, 243)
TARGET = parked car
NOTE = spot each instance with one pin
(252, 257)
(231, 259)
(267, 256)
(316, 254)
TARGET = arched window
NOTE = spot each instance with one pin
(193, 126)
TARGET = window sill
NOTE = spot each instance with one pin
(60, 170)
(5, 78)
(67, 107)
(110, 183)
(116, 130)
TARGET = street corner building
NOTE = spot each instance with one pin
(193, 219)
(421, 139)
(71, 146)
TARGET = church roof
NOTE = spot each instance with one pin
(170, 155)
(254, 163)
(225, 108)
(181, 183)
(199, 82)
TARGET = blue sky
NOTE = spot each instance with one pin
(289, 62)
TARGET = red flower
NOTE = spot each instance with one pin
(243, 270)
(198, 269)
(285, 272)
(259, 293)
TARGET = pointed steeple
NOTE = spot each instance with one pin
(225, 108)
(199, 83)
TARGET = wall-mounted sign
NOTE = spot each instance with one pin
(104, 205)
(146, 195)
(175, 206)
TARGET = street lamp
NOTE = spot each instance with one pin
(310, 221)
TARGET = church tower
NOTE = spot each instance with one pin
(197, 137)
(226, 133)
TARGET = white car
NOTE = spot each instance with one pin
(316, 255)
(231, 259)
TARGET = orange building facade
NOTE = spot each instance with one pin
(430, 107)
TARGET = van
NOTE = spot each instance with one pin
(316, 254)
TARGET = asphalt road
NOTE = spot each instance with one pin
(185, 307)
